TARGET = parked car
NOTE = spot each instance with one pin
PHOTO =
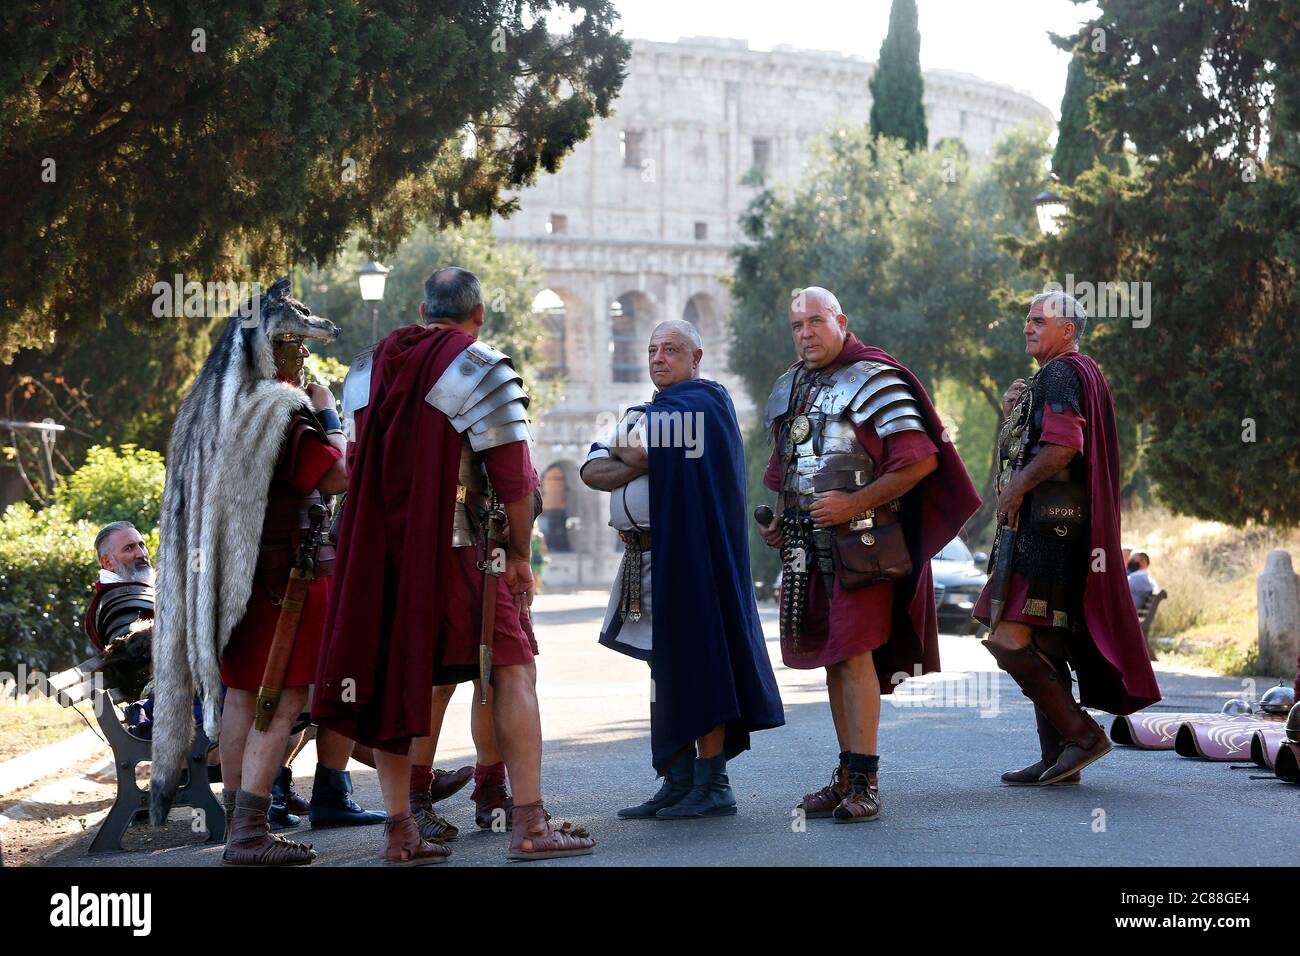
(958, 581)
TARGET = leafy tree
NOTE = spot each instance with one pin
(228, 140)
(908, 242)
(1213, 226)
(897, 88)
(509, 275)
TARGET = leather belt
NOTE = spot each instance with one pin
(639, 538)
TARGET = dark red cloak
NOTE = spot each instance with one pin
(1114, 667)
(374, 678)
(933, 512)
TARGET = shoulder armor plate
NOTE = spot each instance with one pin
(778, 403)
(356, 386)
(500, 435)
(458, 388)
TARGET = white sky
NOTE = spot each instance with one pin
(1001, 40)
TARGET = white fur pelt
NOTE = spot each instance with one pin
(228, 435)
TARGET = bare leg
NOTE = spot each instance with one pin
(236, 721)
(394, 780)
(710, 745)
(835, 693)
(861, 688)
(519, 721)
(263, 752)
(298, 743)
(333, 749)
(423, 748)
(483, 729)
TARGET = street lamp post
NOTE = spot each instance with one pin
(371, 278)
(1050, 207)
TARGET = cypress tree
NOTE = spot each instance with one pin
(897, 89)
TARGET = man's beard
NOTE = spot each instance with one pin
(135, 571)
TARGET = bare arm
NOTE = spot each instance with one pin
(607, 474)
(634, 455)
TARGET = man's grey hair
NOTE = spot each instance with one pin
(451, 293)
(106, 532)
(687, 329)
(1062, 308)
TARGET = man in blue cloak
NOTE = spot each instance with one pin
(676, 465)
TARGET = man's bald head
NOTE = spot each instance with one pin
(818, 325)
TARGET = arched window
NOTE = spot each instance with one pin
(549, 313)
(555, 509)
(628, 316)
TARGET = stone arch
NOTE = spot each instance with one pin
(631, 317)
(559, 505)
(703, 312)
(552, 310)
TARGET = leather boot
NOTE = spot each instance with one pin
(432, 827)
(677, 784)
(1083, 741)
(282, 792)
(492, 803)
(447, 782)
(404, 847)
(332, 804)
(710, 795)
(251, 842)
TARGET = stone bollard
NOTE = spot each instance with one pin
(1279, 615)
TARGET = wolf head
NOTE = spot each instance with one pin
(274, 315)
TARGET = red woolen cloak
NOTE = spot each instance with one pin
(374, 679)
(1114, 668)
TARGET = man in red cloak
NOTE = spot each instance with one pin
(441, 433)
(860, 463)
(1059, 596)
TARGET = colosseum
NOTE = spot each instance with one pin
(638, 226)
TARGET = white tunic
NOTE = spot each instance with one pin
(629, 510)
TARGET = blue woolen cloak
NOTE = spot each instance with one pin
(709, 662)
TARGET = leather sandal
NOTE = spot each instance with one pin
(447, 782)
(824, 801)
(862, 801)
(530, 823)
(403, 845)
(250, 841)
(432, 827)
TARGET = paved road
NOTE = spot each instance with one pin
(943, 747)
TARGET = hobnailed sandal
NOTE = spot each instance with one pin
(432, 827)
(251, 842)
(862, 801)
(824, 801)
(530, 823)
(403, 845)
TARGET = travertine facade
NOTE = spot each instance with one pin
(643, 214)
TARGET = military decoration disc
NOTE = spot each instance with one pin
(800, 429)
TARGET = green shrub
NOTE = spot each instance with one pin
(123, 484)
(47, 557)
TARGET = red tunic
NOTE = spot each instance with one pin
(1059, 428)
(859, 620)
(511, 473)
(244, 660)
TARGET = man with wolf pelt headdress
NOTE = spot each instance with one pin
(251, 455)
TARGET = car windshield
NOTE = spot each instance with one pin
(955, 550)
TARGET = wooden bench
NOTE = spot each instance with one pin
(86, 682)
(1147, 614)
